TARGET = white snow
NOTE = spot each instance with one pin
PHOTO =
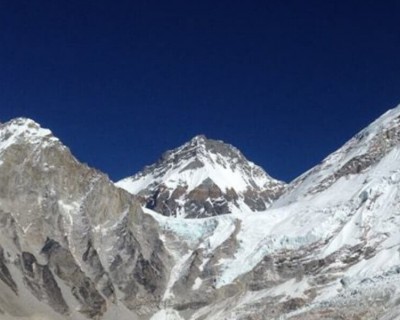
(197, 283)
(361, 208)
(224, 228)
(24, 130)
(355, 208)
(183, 169)
(174, 275)
(166, 314)
(224, 177)
(191, 231)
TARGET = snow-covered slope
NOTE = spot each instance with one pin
(202, 178)
(328, 248)
(358, 155)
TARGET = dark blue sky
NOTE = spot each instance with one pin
(119, 82)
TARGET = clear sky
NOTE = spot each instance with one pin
(120, 82)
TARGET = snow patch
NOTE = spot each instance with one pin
(166, 314)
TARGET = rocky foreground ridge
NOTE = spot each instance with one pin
(71, 243)
(75, 246)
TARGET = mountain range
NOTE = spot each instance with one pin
(202, 234)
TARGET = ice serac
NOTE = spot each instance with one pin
(72, 245)
(328, 248)
(203, 178)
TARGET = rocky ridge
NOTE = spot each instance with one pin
(74, 246)
(71, 243)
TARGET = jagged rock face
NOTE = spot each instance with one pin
(327, 249)
(73, 246)
(71, 243)
(203, 178)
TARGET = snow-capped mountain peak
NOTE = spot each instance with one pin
(74, 246)
(22, 128)
(208, 176)
(200, 149)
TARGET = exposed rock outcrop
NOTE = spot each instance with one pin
(77, 243)
(75, 246)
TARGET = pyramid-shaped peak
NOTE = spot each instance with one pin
(203, 149)
(210, 176)
(22, 122)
